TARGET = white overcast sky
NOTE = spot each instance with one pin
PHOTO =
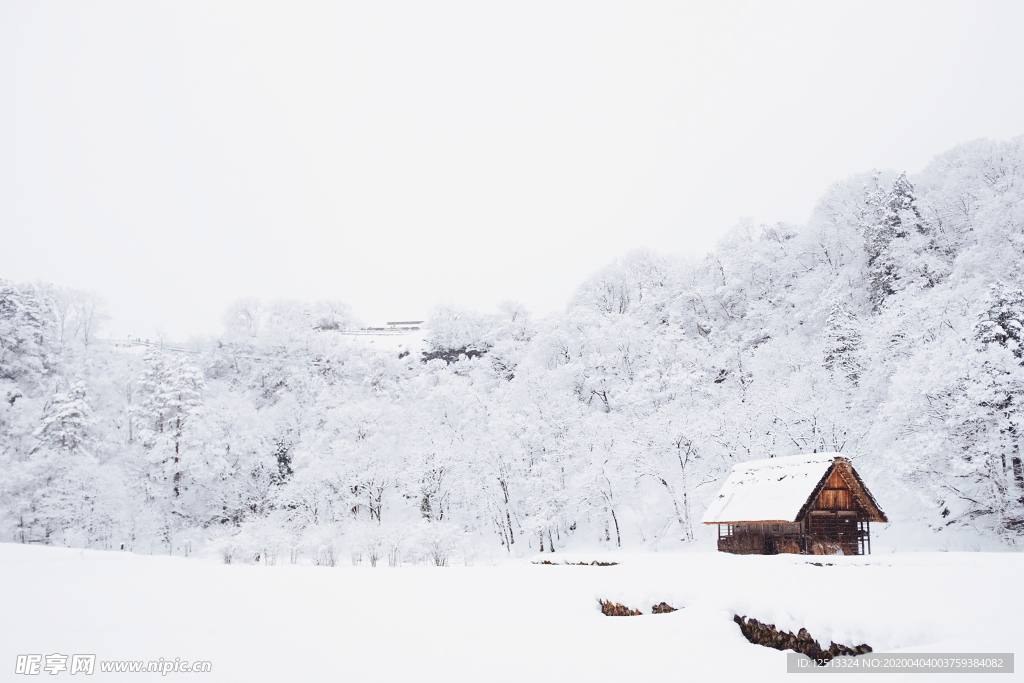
(175, 156)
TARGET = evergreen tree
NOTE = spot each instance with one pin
(26, 326)
(841, 340)
(66, 418)
(1002, 322)
(896, 217)
(901, 212)
(172, 389)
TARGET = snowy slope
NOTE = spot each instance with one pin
(511, 622)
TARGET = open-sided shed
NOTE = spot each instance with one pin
(811, 504)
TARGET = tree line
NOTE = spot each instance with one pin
(888, 327)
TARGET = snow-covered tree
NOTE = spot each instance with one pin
(1002, 322)
(66, 419)
(841, 342)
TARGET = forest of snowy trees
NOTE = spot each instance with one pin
(889, 327)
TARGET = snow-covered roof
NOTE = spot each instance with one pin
(772, 490)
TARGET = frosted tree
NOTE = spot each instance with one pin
(26, 333)
(89, 315)
(66, 419)
(64, 301)
(171, 390)
(901, 212)
(841, 343)
(1002, 322)
(78, 502)
(896, 217)
(244, 318)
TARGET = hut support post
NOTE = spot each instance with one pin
(869, 537)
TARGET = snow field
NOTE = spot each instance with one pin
(511, 622)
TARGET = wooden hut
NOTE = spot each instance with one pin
(810, 504)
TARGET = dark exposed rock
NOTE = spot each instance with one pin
(450, 356)
(769, 636)
(662, 608)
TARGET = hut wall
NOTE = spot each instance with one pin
(761, 539)
(836, 495)
(822, 533)
(846, 530)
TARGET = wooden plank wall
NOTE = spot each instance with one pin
(836, 495)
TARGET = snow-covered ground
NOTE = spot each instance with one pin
(511, 621)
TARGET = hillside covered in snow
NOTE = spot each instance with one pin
(888, 328)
